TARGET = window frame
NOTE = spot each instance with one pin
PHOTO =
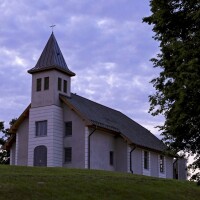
(38, 84)
(65, 86)
(111, 158)
(146, 160)
(38, 128)
(68, 154)
(68, 128)
(59, 84)
(46, 83)
(162, 163)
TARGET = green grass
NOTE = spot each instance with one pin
(31, 183)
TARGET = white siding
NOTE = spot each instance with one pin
(16, 148)
(54, 139)
(12, 154)
(22, 143)
(155, 164)
(128, 159)
(86, 147)
(161, 174)
(169, 167)
(76, 141)
(137, 161)
(182, 172)
(101, 145)
(120, 154)
(58, 136)
(50, 96)
(146, 172)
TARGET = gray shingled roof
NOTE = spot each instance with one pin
(51, 58)
(114, 120)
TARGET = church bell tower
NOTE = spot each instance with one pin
(50, 78)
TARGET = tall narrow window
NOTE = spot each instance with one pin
(68, 154)
(38, 84)
(111, 157)
(162, 164)
(68, 128)
(46, 83)
(65, 86)
(59, 84)
(41, 128)
(146, 160)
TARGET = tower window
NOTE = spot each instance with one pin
(65, 86)
(38, 84)
(59, 84)
(68, 154)
(46, 83)
(41, 128)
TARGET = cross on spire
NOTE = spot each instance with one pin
(52, 26)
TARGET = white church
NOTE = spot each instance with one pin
(62, 129)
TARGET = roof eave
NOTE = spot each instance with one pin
(117, 133)
(21, 118)
(37, 70)
(14, 128)
(9, 143)
(164, 151)
(130, 142)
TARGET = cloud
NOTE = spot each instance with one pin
(105, 44)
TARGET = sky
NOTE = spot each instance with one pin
(104, 42)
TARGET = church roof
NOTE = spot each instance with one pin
(105, 117)
(51, 58)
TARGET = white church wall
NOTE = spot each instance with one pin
(137, 161)
(169, 167)
(12, 154)
(50, 96)
(154, 164)
(54, 139)
(121, 163)
(22, 143)
(101, 144)
(76, 141)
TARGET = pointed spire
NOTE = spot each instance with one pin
(51, 58)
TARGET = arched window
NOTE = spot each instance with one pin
(40, 156)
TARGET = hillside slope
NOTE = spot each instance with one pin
(28, 183)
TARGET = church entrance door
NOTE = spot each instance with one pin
(40, 156)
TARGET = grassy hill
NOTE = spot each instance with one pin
(28, 183)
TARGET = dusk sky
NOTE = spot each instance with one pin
(104, 42)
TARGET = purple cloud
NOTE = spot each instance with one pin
(105, 44)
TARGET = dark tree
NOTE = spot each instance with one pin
(4, 154)
(1, 130)
(176, 24)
